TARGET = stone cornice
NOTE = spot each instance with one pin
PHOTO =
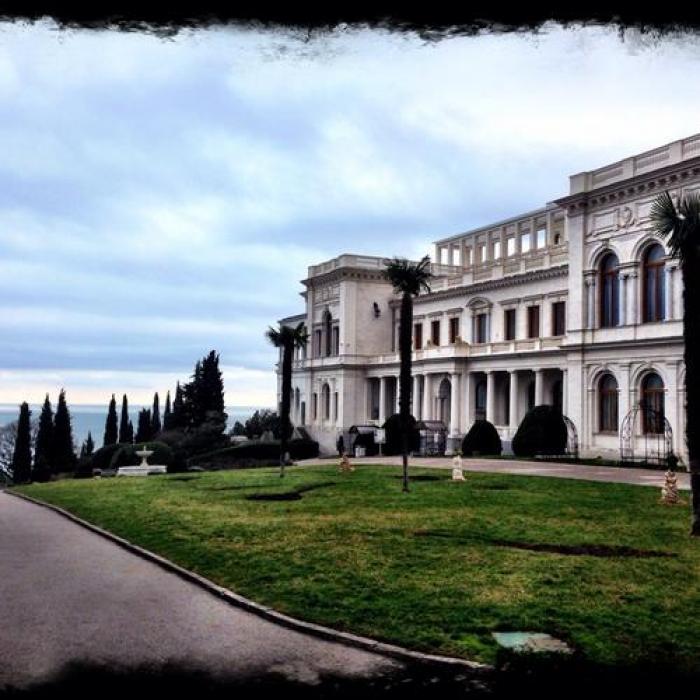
(626, 190)
(489, 285)
(354, 273)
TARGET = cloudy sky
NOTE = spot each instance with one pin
(163, 197)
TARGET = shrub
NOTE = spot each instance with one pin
(392, 435)
(366, 440)
(257, 453)
(126, 455)
(542, 431)
(483, 439)
(102, 458)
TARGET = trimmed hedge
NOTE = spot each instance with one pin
(267, 451)
(102, 458)
(483, 439)
(542, 432)
(392, 435)
(126, 455)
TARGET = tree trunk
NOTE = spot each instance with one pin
(691, 337)
(405, 330)
(286, 426)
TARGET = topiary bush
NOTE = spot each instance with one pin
(542, 432)
(483, 439)
(392, 435)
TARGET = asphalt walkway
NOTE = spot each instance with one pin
(618, 475)
(69, 595)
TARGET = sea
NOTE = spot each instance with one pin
(86, 418)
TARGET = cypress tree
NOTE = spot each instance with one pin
(193, 398)
(64, 459)
(177, 420)
(212, 385)
(110, 436)
(143, 432)
(44, 443)
(124, 421)
(22, 454)
(88, 446)
(130, 434)
(167, 416)
(155, 417)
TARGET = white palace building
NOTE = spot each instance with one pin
(575, 304)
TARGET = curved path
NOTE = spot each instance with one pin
(69, 595)
(617, 475)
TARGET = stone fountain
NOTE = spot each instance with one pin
(143, 469)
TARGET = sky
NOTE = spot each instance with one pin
(160, 198)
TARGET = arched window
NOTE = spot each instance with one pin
(609, 291)
(607, 404)
(653, 391)
(328, 330)
(326, 401)
(653, 284)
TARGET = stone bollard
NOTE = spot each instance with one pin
(457, 473)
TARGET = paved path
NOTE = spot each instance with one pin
(619, 475)
(67, 594)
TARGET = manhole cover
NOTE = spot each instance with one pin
(531, 642)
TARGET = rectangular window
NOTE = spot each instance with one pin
(417, 336)
(533, 321)
(525, 243)
(482, 253)
(335, 407)
(541, 237)
(314, 406)
(481, 321)
(559, 318)
(510, 247)
(454, 329)
(435, 332)
(509, 322)
(496, 250)
(317, 344)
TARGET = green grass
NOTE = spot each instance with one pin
(435, 569)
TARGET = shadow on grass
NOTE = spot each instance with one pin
(590, 550)
(294, 495)
(422, 477)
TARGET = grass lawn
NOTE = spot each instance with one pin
(437, 569)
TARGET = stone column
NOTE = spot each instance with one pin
(415, 397)
(539, 387)
(468, 403)
(565, 392)
(634, 311)
(668, 296)
(382, 400)
(427, 397)
(397, 393)
(590, 283)
(623, 300)
(513, 403)
(454, 404)
(491, 396)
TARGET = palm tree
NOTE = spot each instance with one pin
(408, 280)
(287, 338)
(680, 223)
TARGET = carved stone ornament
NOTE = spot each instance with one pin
(625, 218)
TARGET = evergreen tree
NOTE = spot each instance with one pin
(22, 455)
(88, 447)
(124, 421)
(63, 452)
(193, 414)
(238, 428)
(177, 419)
(44, 443)
(167, 413)
(143, 432)
(155, 417)
(212, 385)
(130, 434)
(110, 436)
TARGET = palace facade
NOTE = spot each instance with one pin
(576, 304)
